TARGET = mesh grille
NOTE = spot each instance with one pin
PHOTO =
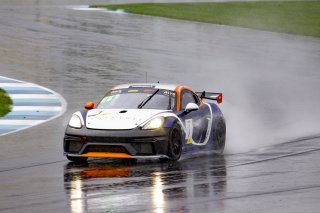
(143, 148)
(75, 146)
(108, 139)
(140, 140)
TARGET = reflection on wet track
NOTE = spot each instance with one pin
(270, 83)
(152, 185)
(197, 184)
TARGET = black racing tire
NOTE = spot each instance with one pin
(175, 143)
(77, 159)
(219, 136)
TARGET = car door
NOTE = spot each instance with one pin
(197, 123)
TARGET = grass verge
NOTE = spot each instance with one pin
(295, 17)
(5, 103)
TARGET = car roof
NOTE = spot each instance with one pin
(148, 85)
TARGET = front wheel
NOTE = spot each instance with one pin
(77, 159)
(175, 143)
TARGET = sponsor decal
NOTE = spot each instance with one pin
(169, 93)
(189, 131)
(114, 92)
(149, 90)
(104, 114)
(133, 90)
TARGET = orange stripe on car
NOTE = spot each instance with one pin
(178, 91)
(106, 155)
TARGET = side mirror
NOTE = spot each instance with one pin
(191, 107)
(89, 105)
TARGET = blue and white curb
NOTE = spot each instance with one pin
(32, 105)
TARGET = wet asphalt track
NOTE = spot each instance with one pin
(271, 84)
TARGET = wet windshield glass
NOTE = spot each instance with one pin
(132, 98)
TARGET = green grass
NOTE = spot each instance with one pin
(5, 103)
(296, 17)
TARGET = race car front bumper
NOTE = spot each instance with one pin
(133, 143)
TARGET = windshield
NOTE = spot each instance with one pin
(133, 98)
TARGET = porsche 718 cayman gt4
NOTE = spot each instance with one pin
(146, 121)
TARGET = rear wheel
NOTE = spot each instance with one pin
(175, 143)
(77, 159)
(220, 135)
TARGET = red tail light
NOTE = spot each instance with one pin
(219, 98)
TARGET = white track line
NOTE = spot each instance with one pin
(39, 108)
(18, 125)
(32, 96)
(16, 85)
(20, 122)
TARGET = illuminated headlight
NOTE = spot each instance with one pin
(154, 123)
(75, 122)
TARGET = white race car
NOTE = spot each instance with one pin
(146, 121)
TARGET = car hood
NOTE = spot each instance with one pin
(114, 119)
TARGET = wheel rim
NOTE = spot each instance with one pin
(175, 144)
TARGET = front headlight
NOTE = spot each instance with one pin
(75, 122)
(154, 123)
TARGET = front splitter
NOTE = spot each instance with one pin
(115, 155)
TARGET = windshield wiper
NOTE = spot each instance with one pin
(145, 101)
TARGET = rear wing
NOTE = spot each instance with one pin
(210, 96)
